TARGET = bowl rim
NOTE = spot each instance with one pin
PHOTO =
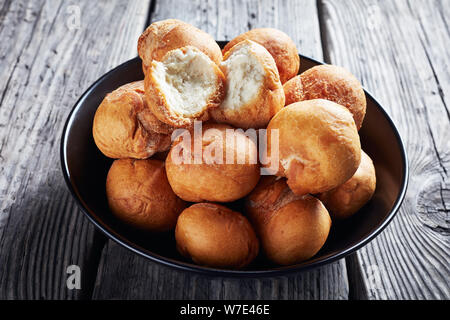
(218, 272)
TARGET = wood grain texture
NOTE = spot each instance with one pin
(47, 59)
(399, 50)
(142, 279)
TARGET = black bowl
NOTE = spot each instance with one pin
(85, 169)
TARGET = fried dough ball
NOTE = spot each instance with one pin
(120, 129)
(220, 169)
(280, 46)
(332, 83)
(215, 236)
(254, 93)
(291, 228)
(348, 198)
(183, 86)
(166, 35)
(139, 194)
(319, 146)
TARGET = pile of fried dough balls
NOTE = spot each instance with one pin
(252, 83)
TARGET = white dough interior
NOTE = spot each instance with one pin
(187, 80)
(245, 76)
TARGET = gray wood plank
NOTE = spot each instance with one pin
(125, 275)
(47, 60)
(399, 49)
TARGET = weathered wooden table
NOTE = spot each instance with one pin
(51, 51)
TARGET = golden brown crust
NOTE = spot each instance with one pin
(293, 90)
(332, 83)
(319, 146)
(348, 198)
(139, 194)
(280, 46)
(118, 129)
(210, 181)
(150, 122)
(166, 35)
(160, 107)
(270, 194)
(216, 236)
(291, 228)
(270, 99)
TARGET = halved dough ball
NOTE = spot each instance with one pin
(254, 93)
(139, 194)
(291, 228)
(348, 198)
(166, 35)
(332, 83)
(183, 86)
(319, 146)
(280, 46)
(118, 129)
(215, 236)
(212, 177)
